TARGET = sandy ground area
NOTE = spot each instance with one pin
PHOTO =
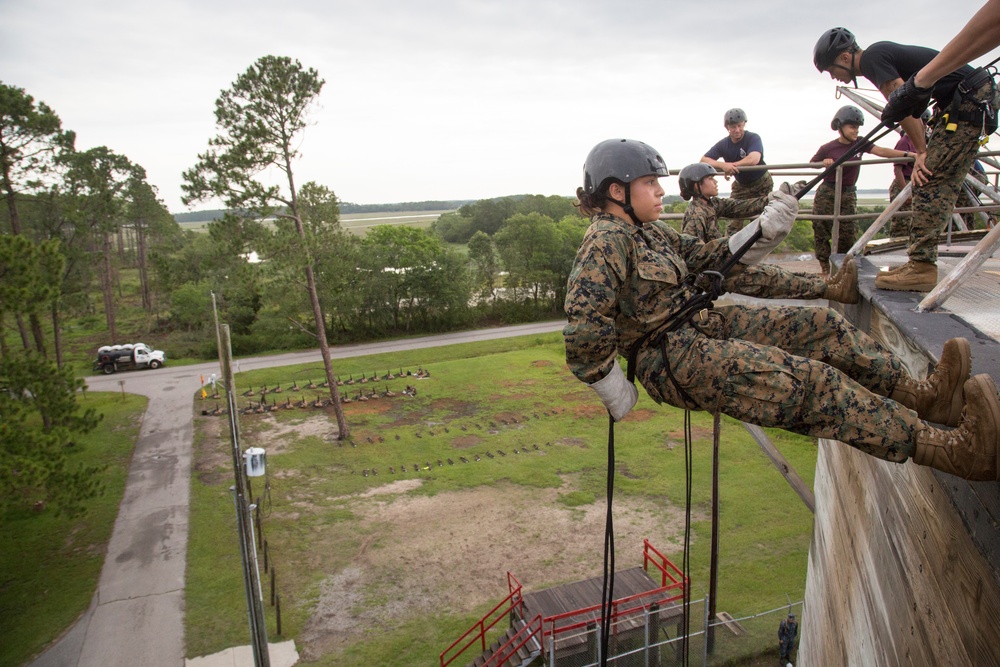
(487, 532)
(451, 551)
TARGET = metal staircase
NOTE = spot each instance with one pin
(518, 647)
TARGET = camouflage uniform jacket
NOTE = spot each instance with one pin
(701, 218)
(626, 281)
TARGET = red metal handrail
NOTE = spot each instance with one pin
(616, 610)
(513, 601)
(649, 555)
(660, 563)
(533, 629)
(547, 626)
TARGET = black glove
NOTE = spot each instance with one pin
(907, 100)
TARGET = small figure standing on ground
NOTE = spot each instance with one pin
(788, 631)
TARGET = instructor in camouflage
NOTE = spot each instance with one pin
(806, 370)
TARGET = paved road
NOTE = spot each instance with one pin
(136, 617)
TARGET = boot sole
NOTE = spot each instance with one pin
(989, 389)
(958, 399)
(917, 287)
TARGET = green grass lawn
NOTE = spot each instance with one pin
(51, 564)
(322, 528)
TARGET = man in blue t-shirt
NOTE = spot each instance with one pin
(964, 114)
(740, 149)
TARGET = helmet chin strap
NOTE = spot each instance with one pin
(850, 70)
(627, 204)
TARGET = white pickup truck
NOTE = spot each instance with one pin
(111, 358)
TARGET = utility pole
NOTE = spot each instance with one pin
(251, 581)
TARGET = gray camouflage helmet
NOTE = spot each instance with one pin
(691, 176)
(622, 160)
(847, 115)
(734, 116)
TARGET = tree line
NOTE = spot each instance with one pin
(83, 231)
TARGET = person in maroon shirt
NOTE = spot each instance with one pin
(847, 124)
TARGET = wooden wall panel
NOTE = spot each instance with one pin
(894, 578)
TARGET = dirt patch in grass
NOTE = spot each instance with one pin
(466, 441)
(541, 363)
(455, 407)
(216, 459)
(697, 433)
(280, 433)
(582, 411)
(518, 383)
(642, 414)
(451, 551)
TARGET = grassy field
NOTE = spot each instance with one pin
(51, 564)
(388, 547)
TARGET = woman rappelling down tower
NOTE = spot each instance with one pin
(806, 370)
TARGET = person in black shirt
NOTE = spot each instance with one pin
(980, 35)
(964, 116)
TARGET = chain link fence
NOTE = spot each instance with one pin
(655, 638)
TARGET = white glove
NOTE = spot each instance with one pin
(785, 188)
(775, 223)
(616, 392)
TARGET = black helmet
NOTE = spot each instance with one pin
(734, 116)
(847, 116)
(691, 176)
(622, 160)
(831, 44)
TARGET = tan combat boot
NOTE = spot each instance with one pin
(912, 277)
(939, 398)
(969, 451)
(843, 287)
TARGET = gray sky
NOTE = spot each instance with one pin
(453, 99)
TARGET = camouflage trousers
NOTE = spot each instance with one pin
(767, 281)
(759, 188)
(823, 229)
(899, 225)
(950, 155)
(806, 370)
